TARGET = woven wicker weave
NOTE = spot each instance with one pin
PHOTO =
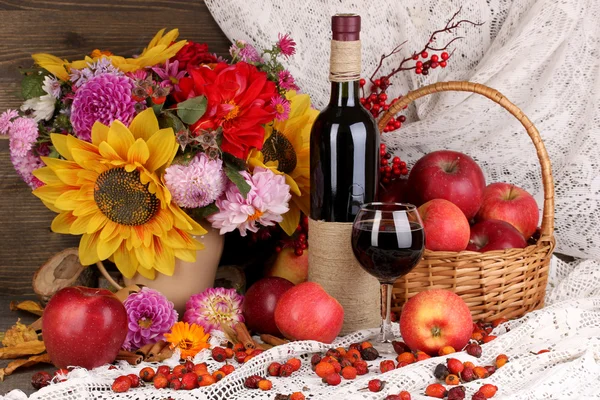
(502, 283)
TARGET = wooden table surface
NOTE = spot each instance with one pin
(68, 29)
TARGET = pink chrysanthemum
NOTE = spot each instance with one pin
(281, 106)
(150, 315)
(197, 184)
(6, 120)
(23, 133)
(214, 306)
(286, 45)
(286, 80)
(103, 98)
(245, 52)
(25, 166)
(264, 204)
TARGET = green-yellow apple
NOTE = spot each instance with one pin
(307, 312)
(446, 227)
(289, 266)
(84, 327)
(434, 319)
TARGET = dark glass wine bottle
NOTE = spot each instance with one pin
(344, 141)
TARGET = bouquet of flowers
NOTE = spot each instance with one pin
(133, 153)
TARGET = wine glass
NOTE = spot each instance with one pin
(388, 242)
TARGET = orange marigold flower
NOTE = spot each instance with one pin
(189, 338)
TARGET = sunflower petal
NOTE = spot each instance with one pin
(125, 261)
(67, 200)
(79, 227)
(161, 149)
(290, 220)
(99, 133)
(185, 255)
(46, 175)
(139, 152)
(49, 193)
(59, 141)
(145, 256)
(107, 151)
(97, 222)
(106, 248)
(164, 258)
(147, 273)
(87, 249)
(62, 222)
(144, 125)
(120, 138)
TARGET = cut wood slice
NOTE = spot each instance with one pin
(60, 271)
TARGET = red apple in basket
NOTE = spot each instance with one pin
(449, 175)
(260, 302)
(446, 227)
(434, 319)
(289, 266)
(84, 327)
(494, 234)
(307, 312)
(512, 204)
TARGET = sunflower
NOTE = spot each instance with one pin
(190, 338)
(158, 51)
(285, 151)
(110, 192)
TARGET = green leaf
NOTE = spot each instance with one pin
(234, 162)
(170, 120)
(234, 176)
(199, 214)
(31, 86)
(191, 110)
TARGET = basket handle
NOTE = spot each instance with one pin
(547, 228)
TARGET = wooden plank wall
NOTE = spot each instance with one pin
(70, 29)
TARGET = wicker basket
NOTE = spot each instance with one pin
(502, 283)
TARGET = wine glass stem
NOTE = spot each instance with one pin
(386, 308)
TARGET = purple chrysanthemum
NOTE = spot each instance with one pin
(214, 306)
(150, 315)
(23, 133)
(99, 67)
(197, 184)
(6, 120)
(286, 45)
(103, 98)
(286, 80)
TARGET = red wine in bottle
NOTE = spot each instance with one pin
(344, 141)
(344, 168)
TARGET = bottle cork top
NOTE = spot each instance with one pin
(345, 27)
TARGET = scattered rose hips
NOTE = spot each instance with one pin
(297, 396)
(274, 369)
(218, 375)
(488, 390)
(229, 352)
(206, 380)
(436, 390)
(441, 372)
(353, 355)
(400, 347)
(490, 369)
(333, 379)
(160, 381)
(349, 372)
(251, 382)
(175, 384)
(333, 353)
(369, 353)
(164, 370)
(501, 360)
(345, 363)
(189, 381)
(406, 357)
(135, 380)
(362, 368)
(473, 349)
(265, 384)
(40, 379)
(467, 374)
(456, 393)
(421, 355)
(315, 359)
(376, 385)
(240, 356)
(452, 380)
(386, 365)
(287, 370)
(481, 372)
(455, 366)
(324, 369)
(200, 369)
(401, 364)
(488, 338)
(469, 364)
(227, 368)
(179, 370)
(147, 374)
(444, 351)
(189, 365)
(238, 347)
(404, 395)
(478, 396)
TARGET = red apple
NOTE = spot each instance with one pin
(289, 266)
(449, 175)
(307, 312)
(494, 234)
(512, 204)
(446, 227)
(84, 327)
(260, 302)
(434, 319)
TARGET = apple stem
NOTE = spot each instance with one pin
(436, 331)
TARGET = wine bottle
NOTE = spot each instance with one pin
(344, 169)
(344, 141)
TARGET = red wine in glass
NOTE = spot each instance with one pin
(388, 241)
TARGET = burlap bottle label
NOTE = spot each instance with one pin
(331, 263)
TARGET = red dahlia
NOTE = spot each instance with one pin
(194, 54)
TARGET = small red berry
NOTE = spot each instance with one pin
(163, 369)
(415, 57)
(467, 375)
(175, 384)
(333, 379)
(456, 393)
(295, 363)
(455, 366)
(404, 395)
(121, 384)
(286, 370)
(135, 380)
(160, 381)
(377, 82)
(252, 381)
(147, 374)
(424, 54)
(386, 366)
(434, 65)
(376, 385)
(400, 347)
(445, 56)
(443, 64)
(362, 368)
(265, 384)
(40, 379)
(418, 71)
(362, 82)
(434, 58)
(488, 390)
(349, 372)
(436, 390)
(189, 381)
(274, 369)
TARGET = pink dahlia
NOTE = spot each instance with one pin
(286, 45)
(264, 204)
(196, 184)
(150, 315)
(103, 98)
(214, 306)
(281, 106)
(286, 80)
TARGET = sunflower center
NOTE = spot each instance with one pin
(233, 112)
(257, 214)
(278, 148)
(145, 323)
(123, 198)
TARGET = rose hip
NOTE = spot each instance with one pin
(175, 384)
(287, 370)
(40, 379)
(121, 384)
(274, 368)
(333, 379)
(147, 374)
(488, 390)
(386, 365)
(135, 380)
(264, 384)
(456, 393)
(404, 395)
(467, 374)
(441, 371)
(455, 366)
(473, 349)
(349, 372)
(189, 381)
(295, 363)
(164, 370)
(376, 385)
(436, 390)
(400, 347)
(160, 381)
